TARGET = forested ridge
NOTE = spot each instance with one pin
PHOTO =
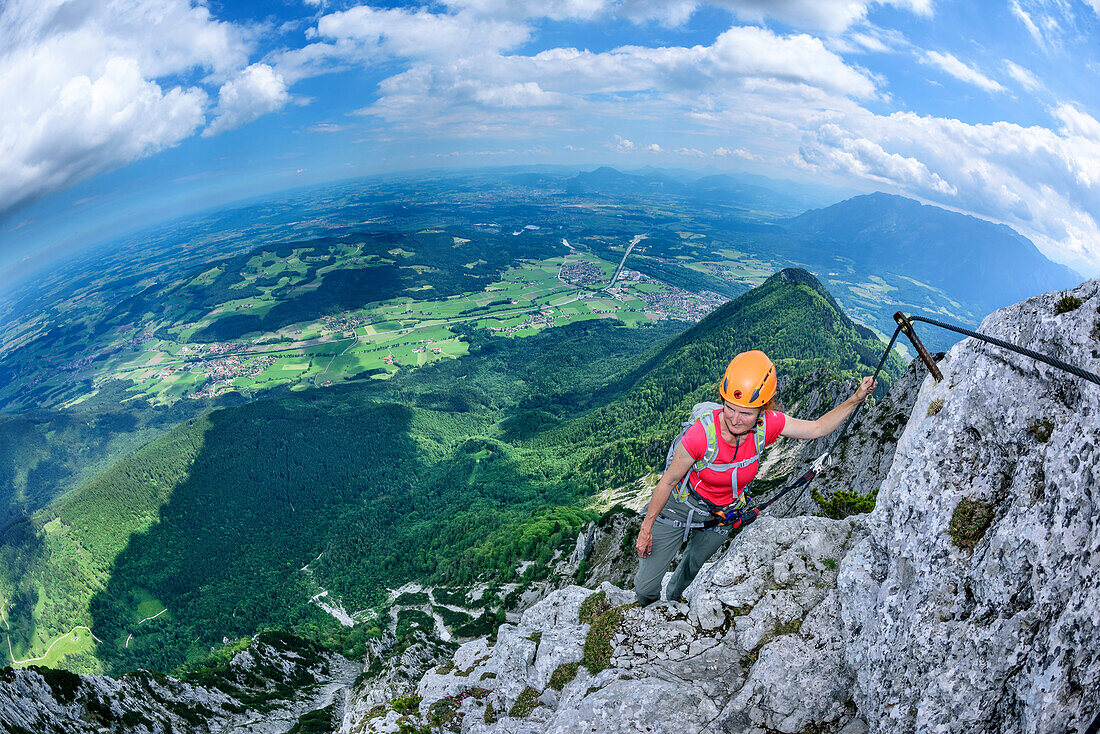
(445, 474)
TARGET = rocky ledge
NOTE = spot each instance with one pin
(267, 688)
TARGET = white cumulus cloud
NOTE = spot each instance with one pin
(257, 90)
(622, 144)
(420, 33)
(433, 96)
(90, 125)
(89, 87)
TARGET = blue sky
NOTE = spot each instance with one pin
(119, 115)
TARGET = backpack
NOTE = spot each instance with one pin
(704, 412)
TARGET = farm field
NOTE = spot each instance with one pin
(376, 339)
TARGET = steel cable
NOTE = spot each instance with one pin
(1053, 362)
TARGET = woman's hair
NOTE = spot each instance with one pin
(774, 404)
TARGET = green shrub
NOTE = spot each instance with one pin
(452, 618)
(844, 503)
(204, 670)
(563, 674)
(829, 563)
(1066, 304)
(315, 722)
(454, 597)
(969, 521)
(412, 598)
(525, 704)
(406, 704)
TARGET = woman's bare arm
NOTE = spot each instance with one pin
(826, 424)
(681, 463)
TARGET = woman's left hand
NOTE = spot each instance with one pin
(865, 388)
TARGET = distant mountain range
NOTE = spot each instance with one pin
(969, 258)
(977, 263)
(741, 190)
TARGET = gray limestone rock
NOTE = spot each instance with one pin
(58, 702)
(1003, 636)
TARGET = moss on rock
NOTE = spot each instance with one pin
(969, 521)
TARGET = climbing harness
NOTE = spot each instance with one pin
(687, 494)
(905, 326)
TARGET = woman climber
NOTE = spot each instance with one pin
(710, 467)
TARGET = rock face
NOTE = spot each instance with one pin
(389, 675)
(264, 689)
(1003, 636)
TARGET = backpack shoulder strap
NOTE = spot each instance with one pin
(711, 454)
(760, 433)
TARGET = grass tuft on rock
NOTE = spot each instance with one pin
(597, 644)
(592, 607)
(406, 704)
(444, 713)
(935, 407)
(788, 628)
(525, 704)
(1066, 304)
(969, 521)
(563, 675)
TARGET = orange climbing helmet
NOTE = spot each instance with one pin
(749, 380)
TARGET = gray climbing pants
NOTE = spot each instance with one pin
(667, 539)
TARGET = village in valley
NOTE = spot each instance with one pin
(167, 363)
